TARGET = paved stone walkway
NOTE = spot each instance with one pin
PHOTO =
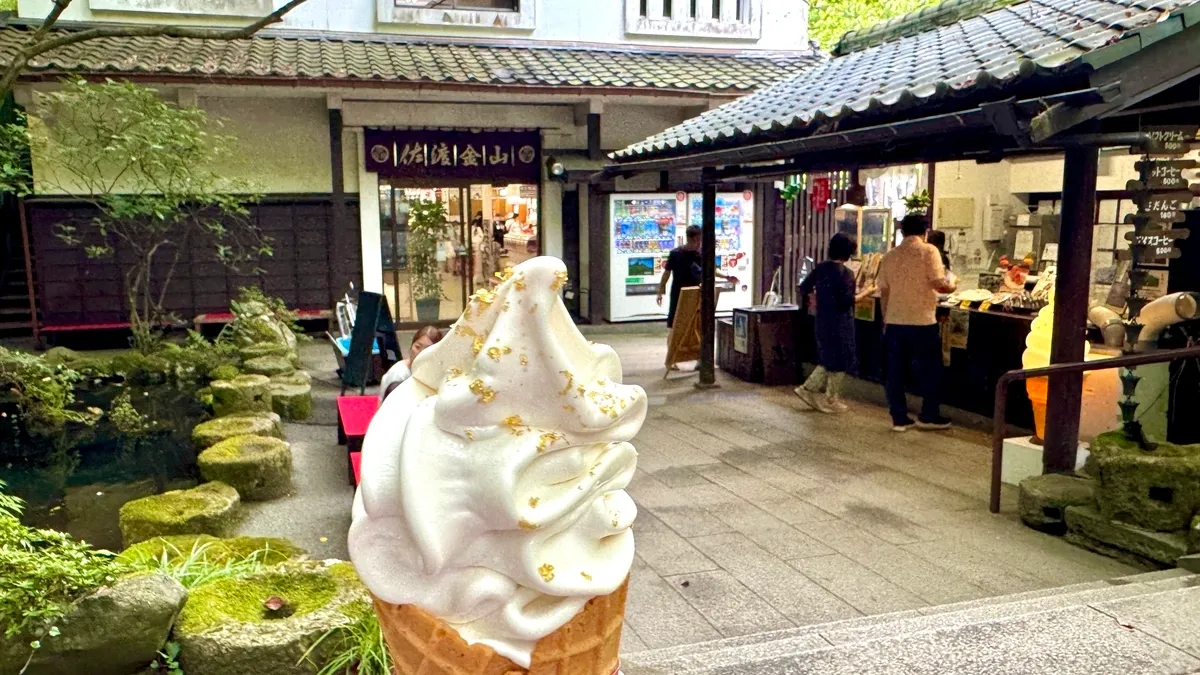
(756, 514)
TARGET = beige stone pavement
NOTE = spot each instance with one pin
(757, 514)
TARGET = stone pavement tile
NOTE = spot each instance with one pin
(664, 550)
(793, 510)
(728, 605)
(656, 458)
(692, 436)
(1077, 641)
(871, 513)
(793, 594)
(659, 615)
(767, 432)
(861, 588)
(975, 566)
(726, 431)
(740, 483)
(773, 535)
(1172, 616)
(771, 472)
(690, 521)
(677, 476)
(932, 495)
(630, 642)
(927, 581)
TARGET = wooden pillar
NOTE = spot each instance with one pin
(338, 226)
(708, 282)
(1071, 294)
(595, 152)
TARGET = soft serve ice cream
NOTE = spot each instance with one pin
(493, 479)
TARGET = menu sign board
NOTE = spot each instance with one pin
(1165, 208)
(496, 157)
(1166, 174)
(1171, 140)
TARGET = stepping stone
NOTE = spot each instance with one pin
(269, 365)
(208, 434)
(271, 550)
(292, 402)
(244, 393)
(1044, 499)
(258, 467)
(208, 509)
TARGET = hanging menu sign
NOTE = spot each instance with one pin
(1170, 141)
(1163, 208)
(496, 157)
(1151, 246)
(1166, 174)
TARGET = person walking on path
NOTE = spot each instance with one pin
(833, 286)
(910, 278)
(684, 269)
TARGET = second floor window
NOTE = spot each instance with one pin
(494, 5)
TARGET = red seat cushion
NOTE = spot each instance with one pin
(356, 465)
(355, 413)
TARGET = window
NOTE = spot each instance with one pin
(715, 19)
(494, 5)
(645, 9)
(716, 9)
(493, 14)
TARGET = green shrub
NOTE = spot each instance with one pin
(42, 572)
(41, 393)
(358, 647)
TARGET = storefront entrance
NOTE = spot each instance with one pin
(455, 207)
(488, 228)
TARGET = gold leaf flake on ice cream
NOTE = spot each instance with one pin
(445, 518)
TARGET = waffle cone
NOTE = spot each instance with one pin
(421, 644)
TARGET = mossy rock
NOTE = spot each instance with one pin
(210, 508)
(298, 377)
(224, 627)
(258, 467)
(226, 371)
(1043, 500)
(269, 365)
(208, 434)
(1089, 528)
(1156, 489)
(273, 550)
(291, 401)
(244, 393)
(262, 349)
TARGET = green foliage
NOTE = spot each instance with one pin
(41, 393)
(357, 648)
(918, 201)
(167, 661)
(240, 600)
(14, 160)
(42, 572)
(126, 419)
(248, 328)
(829, 20)
(427, 229)
(152, 171)
(205, 562)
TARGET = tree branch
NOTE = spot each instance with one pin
(39, 44)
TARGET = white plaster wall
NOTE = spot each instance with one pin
(283, 144)
(1044, 174)
(368, 206)
(590, 21)
(986, 183)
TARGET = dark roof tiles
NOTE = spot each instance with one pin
(270, 55)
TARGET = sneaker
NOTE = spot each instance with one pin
(937, 424)
(836, 405)
(903, 426)
(808, 397)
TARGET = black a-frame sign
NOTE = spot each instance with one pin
(373, 326)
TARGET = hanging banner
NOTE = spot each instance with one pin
(820, 194)
(495, 157)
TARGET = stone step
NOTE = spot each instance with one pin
(728, 652)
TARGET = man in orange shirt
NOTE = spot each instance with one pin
(910, 278)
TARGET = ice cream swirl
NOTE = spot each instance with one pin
(493, 479)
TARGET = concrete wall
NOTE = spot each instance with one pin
(784, 22)
(987, 184)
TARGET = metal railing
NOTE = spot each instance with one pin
(1000, 423)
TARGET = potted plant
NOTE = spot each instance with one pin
(918, 202)
(427, 229)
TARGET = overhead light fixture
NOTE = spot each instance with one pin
(556, 170)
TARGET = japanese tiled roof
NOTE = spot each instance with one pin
(945, 51)
(292, 56)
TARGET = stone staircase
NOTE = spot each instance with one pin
(1143, 624)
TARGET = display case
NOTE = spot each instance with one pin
(871, 227)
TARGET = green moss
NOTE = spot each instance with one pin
(291, 401)
(226, 371)
(1155, 489)
(269, 365)
(208, 434)
(216, 550)
(258, 467)
(264, 349)
(1044, 500)
(207, 509)
(234, 601)
(244, 393)
(299, 377)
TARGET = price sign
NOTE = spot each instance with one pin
(987, 304)
(1171, 140)
(1155, 244)
(1166, 174)
(965, 304)
(1163, 208)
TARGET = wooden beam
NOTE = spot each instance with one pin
(1071, 293)
(338, 227)
(595, 153)
(708, 284)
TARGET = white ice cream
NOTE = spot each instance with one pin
(493, 480)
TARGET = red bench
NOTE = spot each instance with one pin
(227, 317)
(354, 416)
(356, 466)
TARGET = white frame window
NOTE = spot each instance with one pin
(720, 19)
(433, 13)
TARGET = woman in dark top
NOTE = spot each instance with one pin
(938, 239)
(833, 286)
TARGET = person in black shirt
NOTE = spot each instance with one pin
(938, 239)
(832, 286)
(684, 269)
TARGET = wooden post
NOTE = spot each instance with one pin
(1071, 293)
(708, 283)
(337, 228)
(34, 323)
(595, 150)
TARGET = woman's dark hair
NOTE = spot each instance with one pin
(693, 232)
(842, 246)
(432, 332)
(937, 238)
(914, 224)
